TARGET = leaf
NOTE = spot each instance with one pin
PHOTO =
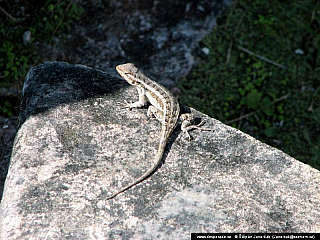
(316, 115)
(270, 131)
(241, 91)
(280, 109)
(50, 7)
(254, 99)
(268, 108)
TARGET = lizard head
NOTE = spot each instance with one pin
(128, 71)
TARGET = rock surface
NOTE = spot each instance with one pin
(161, 35)
(77, 144)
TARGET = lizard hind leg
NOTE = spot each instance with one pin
(154, 112)
(186, 124)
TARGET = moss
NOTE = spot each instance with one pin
(262, 74)
(22, 26)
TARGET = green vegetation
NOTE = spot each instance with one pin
(43, 20)
(262, 74)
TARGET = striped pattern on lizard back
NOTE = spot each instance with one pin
(162, 100)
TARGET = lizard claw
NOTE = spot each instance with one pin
(127, 105)
(201, 123)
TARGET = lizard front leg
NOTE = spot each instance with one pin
(142, 99)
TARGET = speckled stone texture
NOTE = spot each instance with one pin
(77, 144)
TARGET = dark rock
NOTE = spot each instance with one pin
(161, 37)
(77, 144)
(8, 129)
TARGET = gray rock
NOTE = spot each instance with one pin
(77, 144)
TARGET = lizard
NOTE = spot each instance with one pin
(164, 107)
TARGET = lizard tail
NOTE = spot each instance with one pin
(158, 158)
